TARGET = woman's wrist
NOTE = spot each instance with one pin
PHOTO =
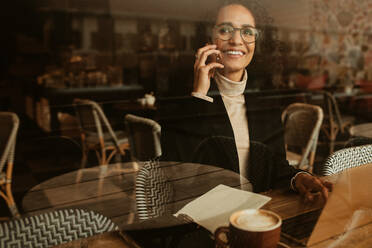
(201, 90)
(293, 179)
(202, 96)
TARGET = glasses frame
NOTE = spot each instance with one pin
(257, 35)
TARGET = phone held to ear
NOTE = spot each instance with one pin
(213, 58)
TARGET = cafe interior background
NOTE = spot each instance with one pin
(118, 50)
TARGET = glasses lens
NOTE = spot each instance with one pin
(224, 32)
(249, 34)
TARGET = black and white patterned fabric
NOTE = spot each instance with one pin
(53, 228)
(347, 158)
(153, 191)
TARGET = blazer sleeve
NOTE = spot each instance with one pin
(268, 170)
(184, 126)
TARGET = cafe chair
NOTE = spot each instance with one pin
(215, 150)
(301, 124)
(53, 228)
(334, 123)
(358, 141)
(97, 133)
(153, 191)
(9, 123)
(220, 151)
(346, 158)
(144, 137)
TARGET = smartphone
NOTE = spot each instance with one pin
(212, 58)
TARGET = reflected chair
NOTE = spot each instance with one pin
(358, 141)
(97, 133)
(334, 123)
(153, 191)
(262, 174)
(346, 158)
(9, 123)
(53, 228)
(216, 151)
(302, 124)
(144, 137)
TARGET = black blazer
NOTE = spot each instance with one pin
(186, 122)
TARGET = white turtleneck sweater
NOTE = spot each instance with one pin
(233, 99)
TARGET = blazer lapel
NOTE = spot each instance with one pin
(221, 125)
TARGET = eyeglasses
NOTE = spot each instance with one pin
(226, 32)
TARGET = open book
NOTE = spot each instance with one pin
(214, 208)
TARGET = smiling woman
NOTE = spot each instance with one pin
(219, 106)
(236, 52)
(269, 52)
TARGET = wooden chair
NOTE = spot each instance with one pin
(302, 124)
(97, 133)
(347, 158)
(219, 151)
(53, 228)
(144, 137)
(9, 124)
(334, 123)
(358, 141)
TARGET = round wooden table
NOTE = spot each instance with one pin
(362, 130)
(110, 190)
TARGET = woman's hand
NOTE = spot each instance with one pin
(308, 185)
(202, 71)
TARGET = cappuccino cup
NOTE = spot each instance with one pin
(253, 228)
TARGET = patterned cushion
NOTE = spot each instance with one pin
(53, 228)
(347, 158)
(153, 191)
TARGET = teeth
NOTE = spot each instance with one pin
(235, 52)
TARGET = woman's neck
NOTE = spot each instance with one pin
(235, 76)
(230, 88)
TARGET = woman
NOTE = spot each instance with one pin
(219, 108)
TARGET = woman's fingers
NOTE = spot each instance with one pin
(202, 77)
(200, 64)
(203, 49)
(203, 71)
(206, 54)
(327, 184)
(207, 70)
(310, 186)
(213, 65)
(201, 61)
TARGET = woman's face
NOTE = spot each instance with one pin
(236, 54)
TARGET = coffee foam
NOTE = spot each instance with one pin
(255, 220)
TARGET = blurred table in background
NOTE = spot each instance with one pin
(44, 104)
(362, 130)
